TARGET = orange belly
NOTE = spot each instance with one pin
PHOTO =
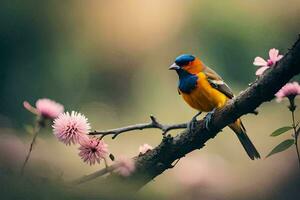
(204, 97)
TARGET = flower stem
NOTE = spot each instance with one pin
(297, 149)
(296, 135)
(35, 133)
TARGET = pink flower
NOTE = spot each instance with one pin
(144, 148)
(71, 128)
(49, 108)
(45, 107)
(289, 90)
(93, 150)
(274, 57)
(125, 166)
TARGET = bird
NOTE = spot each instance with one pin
(204, 90)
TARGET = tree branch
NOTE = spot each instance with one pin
(155, 162)
(94, 175)
(153, 124)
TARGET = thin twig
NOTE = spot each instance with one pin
(101, 172)
(153, 124)
(96, 174)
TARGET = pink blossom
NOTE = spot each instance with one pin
(45, 107)
(71, 128)
(125, 166)
(289, 90)
(144, 148)
(274, 57)
(93, 150)
(49, 108)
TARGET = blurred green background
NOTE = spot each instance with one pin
(109, 60)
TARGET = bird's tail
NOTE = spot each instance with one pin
(240, 131)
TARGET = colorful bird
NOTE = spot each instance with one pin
(204, 90)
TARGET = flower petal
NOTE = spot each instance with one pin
(258, 61)
(279, 57)
(289, 89)
(261, 70)
(273, 54)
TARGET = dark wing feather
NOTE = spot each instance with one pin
(224, 88)
(216, 82)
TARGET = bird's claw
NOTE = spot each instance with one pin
(193, 122)
(208, 118)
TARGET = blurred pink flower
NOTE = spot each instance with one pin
(93, 150)
(125, 166)
(144, 148)
(289, 90)
(274, 57)
(209, 171)
(49, 108)
(71, 128)
(45, 107)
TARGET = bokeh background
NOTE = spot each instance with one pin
(109, 60)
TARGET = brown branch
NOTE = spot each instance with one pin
(153, 124)
(155, 162)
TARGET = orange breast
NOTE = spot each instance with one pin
(204, 97)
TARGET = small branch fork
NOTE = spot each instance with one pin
(151, 125)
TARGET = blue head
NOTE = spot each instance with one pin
(184, 60)
(187, 66)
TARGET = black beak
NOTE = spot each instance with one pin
(174, 67)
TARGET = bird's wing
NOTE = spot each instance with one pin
(216, 82)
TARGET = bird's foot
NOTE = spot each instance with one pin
(208, 118)
(193, 122)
